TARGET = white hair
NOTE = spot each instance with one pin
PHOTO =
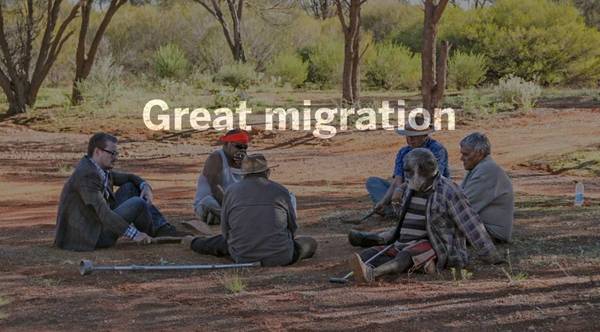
(478, 142)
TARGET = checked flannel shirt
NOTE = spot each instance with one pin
(450, 222)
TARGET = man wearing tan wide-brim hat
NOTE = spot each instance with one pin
(258, 221)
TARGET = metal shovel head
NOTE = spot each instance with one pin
(335, 280)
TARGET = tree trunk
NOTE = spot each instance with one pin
(18, 101)
(83, 61)
(433, 73)
(356, 69)
(350, 75)
(21, 87)
(233, 36)
(347, 73)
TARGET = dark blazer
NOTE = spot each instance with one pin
(83, 212)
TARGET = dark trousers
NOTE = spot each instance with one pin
(304, 247)
(131, 207)
(403, 257)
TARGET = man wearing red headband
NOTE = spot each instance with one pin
(222, 169)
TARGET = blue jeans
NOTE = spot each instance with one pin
(134, 210)
(377, 188)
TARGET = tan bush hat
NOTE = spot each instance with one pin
(254, 163)
(411, 131)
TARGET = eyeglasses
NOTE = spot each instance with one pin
(112, 153)
(241, 146)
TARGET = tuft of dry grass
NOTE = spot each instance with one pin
(3, 302)
(232, 281)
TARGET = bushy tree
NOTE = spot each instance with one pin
(466, 70)
(394, 67)
(237, 75)
(537, 40)
(289, 68)
(326, 60)
(169, 61)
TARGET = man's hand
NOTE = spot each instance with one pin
(142, 238)
(379, 208)
(147, 194)
(397, 196)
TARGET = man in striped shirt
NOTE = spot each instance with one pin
(433, 235)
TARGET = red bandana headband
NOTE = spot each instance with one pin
(241, 137)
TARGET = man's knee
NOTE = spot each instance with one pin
(136, 205)
(127, 191)
(304, 247)
(208, 207)
(373, 181)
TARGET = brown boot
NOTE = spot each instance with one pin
(362, 272)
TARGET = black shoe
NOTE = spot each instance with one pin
(365, 239)
(170, 230)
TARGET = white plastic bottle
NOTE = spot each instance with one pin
(579, 194)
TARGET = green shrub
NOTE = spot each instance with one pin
(289, 68)
(237, 76)
(391, 19)
(466, 70)
(103, 84)
(394, 67)
(213, 51)
(227, 99)
(202, 80)
(518, 92)
(169, 61)
(541, 40)
(174, 90)
(326, 62)
(135, 32)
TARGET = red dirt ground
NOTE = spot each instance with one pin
(556, 248)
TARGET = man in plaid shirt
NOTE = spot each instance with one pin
(447, 218)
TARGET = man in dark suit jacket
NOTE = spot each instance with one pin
(91, 215)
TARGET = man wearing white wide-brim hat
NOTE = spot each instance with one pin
(381, 191)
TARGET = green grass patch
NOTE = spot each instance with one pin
(3, 302)
(233, 282)
(46, 282)
(583, 163)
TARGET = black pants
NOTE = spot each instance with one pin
(304, 247)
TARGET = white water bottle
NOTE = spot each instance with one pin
(579, 194)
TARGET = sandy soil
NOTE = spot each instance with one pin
(555, 264)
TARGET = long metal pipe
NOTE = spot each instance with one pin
(87, 267)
